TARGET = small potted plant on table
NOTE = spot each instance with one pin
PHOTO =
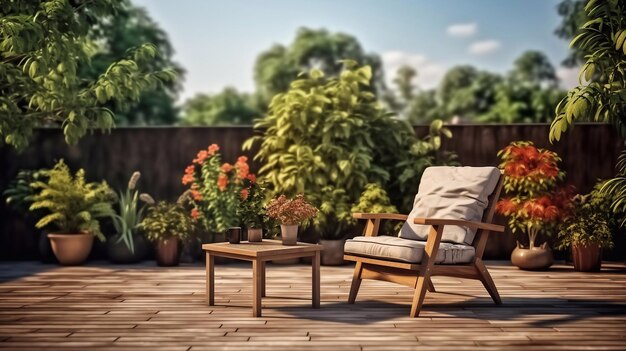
(251, 211)
(166, 224)
(533, 202)
(74, 208)
(290, 213)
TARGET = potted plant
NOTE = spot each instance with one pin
(166, 224)
(19, 195)
(251, 211)
(128, 245)
(74, 206)
(588, 230)
(290, 213)
(216, 189)
(533, 202)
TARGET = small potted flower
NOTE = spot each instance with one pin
(251, 211)
(290, 213)
(166, 224)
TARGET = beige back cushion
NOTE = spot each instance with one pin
(451, 193)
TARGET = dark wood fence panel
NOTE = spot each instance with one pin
(589, 152)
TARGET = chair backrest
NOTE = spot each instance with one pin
(480, 241)
(452, 193)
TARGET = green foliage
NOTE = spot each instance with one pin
(227, 107)
(277, 67)
(166, 220)
(374, 199)
(42, 46)
(74, 205)
(615, 190)
(129, 213)
(588, 225)
(573, 17)
(251, 210)
(19, 193)
(601, 95)
(129, 28)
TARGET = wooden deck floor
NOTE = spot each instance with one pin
(148, 308)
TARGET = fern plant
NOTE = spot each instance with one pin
(74, 205)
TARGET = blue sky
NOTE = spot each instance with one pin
(217, 41)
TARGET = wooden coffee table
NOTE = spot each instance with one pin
(259, 253)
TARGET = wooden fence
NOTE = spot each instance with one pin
(589, 152)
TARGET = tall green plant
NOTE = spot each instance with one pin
(20, 193)
(74, 205)
(130, 213)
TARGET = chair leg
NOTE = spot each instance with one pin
(420, 293)
(430, 286)
(485, 278)
(356, 282)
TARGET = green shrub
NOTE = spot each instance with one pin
(20, 193)
(374, 199)
(74, 205)
(167, 220)
(589, 223)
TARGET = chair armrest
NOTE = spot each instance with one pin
(461, 223)
(393, 216)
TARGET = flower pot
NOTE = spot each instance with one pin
(118, 251)
(533, 259)
(587, 258)
(71, 249)
(255, 235)
(332, 255)
(234, 235)
(289, 234)
(167, 253)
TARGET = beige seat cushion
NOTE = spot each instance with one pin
(451, 193)
(406, 250)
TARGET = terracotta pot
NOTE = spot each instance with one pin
(289, 234)
(587, 258)
(167, 253)
(533, 259)
(71, 249)
(332, 255)
(255, 235)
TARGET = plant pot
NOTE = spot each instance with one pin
(255, 235)
(45, 249)
(587, 258)
(234, 235)
(535, 258)
(332, 255)
(118, 252)
(289, 234)
(71, 249)
(167, 253)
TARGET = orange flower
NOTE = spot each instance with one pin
(242, 159)
(222, 182)
(245, 193)
(195, 194)
(190, 169)
(195, 214)
(202, 155)
(226, 167)
(506, 207)
(213, 149)
(252, 177)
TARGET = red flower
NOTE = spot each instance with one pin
(202, 155)
(226, 167)
(213, 149)
(252, 177)
(195, 194)
(245, 193)
(195, 214)
(222, 182)
(506, 207)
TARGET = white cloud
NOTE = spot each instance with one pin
(568, 76)
(484, 47)
(429, 73)
(462, 30)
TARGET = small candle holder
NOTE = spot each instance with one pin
(234, 235)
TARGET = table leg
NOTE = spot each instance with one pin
(210, 280)
(257, 279)
(263, 278)
(316, 280)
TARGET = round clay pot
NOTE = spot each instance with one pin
(289, 234)
(332, 255)
(167, 253)
(118, 252)
(587, 258)
(71, 249)
(255, 235)
(533, 259)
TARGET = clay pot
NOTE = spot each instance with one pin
(71, 249)
(255, 235)
(587, 258)
(167, 253)
(332, 255)
(535, 258)
(289, 234)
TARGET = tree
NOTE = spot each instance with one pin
(227, 107)
(424, 108)
(42, 44)
(534, 67)
(573, 17)
(277, 67)
(130, 27)
(467, 92)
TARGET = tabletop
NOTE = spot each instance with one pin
(261, 249)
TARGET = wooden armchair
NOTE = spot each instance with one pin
(417, 274)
